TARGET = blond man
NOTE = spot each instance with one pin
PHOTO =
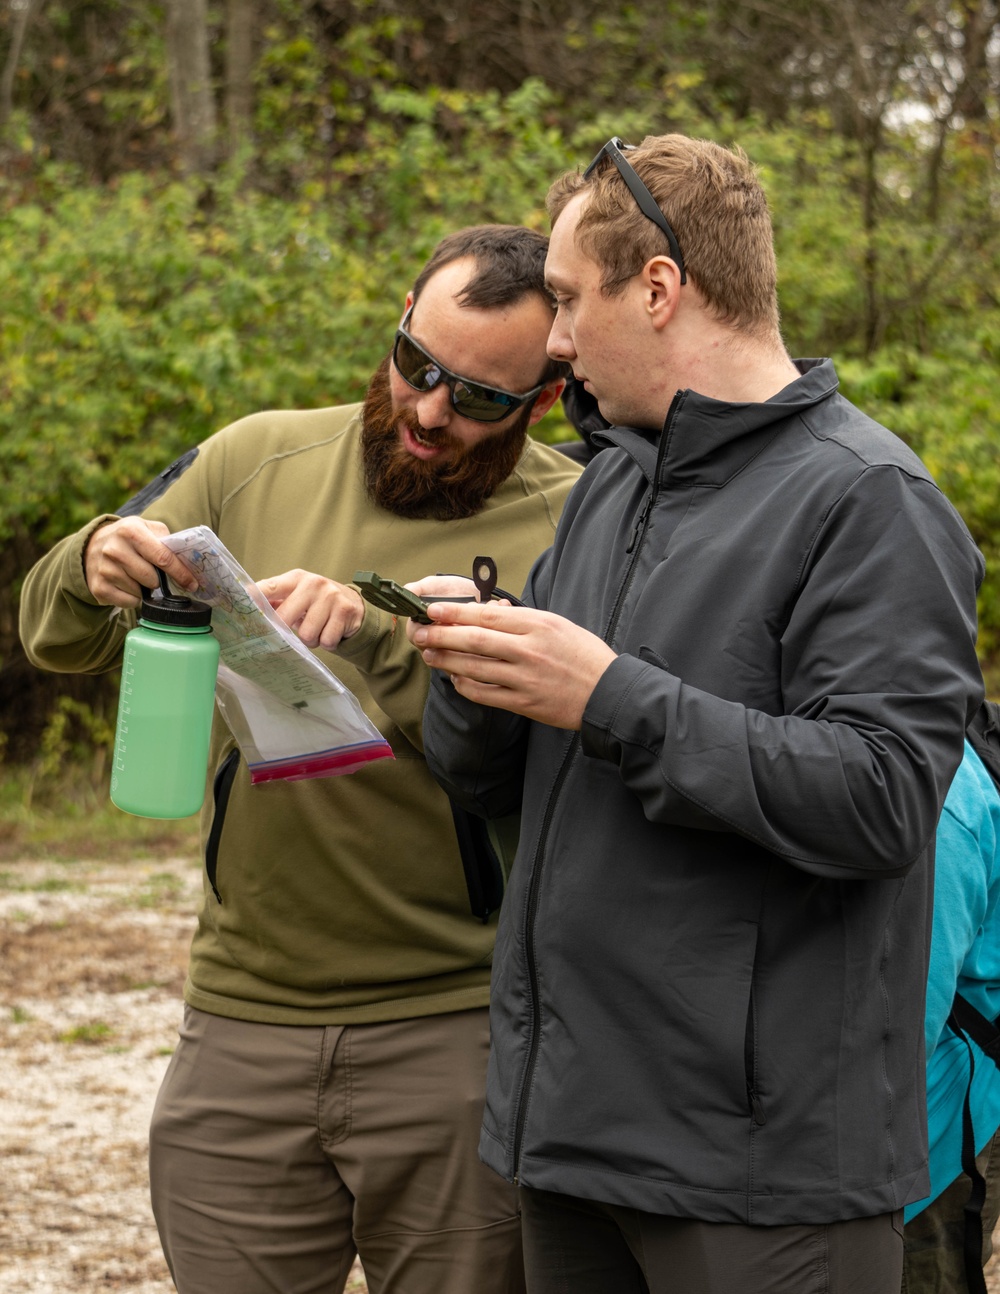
(728, 715)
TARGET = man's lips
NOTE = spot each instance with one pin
(417, 447)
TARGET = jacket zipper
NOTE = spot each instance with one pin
(640, 523)
(529, 950)
(634, 548)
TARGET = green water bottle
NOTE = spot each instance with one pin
(165, 707)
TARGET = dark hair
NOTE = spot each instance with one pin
(510, 264)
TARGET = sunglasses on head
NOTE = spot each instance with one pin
(615, 149)
(423, 372)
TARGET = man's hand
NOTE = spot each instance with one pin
(515, 658)
(121, 559)
(322, 612)
(443, 586)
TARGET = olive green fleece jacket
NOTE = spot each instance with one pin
(342, 899)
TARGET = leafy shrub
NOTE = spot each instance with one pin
(140, 316)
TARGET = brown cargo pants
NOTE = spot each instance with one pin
(277, 1152)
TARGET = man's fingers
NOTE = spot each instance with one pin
(145, 576)
(491, 615)
(484, 693)
(172, 566)
(521, 659)
(443, 586)
(146, 543)
(494, 670)
(466, 644)
(123, 558)
(321, 611)
(278, 587)
(318, 625)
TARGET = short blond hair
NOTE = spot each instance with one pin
(715, 205)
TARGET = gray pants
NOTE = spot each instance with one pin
(277, 1152)
(574, 1246)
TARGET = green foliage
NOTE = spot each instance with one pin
(134, 326)
(75, 737)
(143, 312)
(140, 317)
(944, 405)
(93, 81)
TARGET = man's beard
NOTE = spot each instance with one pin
(455, 483)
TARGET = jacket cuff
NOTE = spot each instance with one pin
(605, 705)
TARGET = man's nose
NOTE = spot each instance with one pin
(560, 344)
(434, 407)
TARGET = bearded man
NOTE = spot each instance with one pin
(327, 1090)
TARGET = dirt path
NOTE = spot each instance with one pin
(92, 960)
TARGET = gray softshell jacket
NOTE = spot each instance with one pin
(707, 994)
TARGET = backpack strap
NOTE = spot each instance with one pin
(983, 733)
(985, 1033)
(967, 1022)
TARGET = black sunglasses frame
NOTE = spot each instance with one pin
(650, 208)
(510, 403)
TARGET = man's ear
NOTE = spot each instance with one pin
(661, 282)
(409, 302)
(547, 397)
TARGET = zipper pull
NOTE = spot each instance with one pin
(640, 523)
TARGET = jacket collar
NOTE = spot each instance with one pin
(708, 441)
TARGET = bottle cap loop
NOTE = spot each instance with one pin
(161, 607)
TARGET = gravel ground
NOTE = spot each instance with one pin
(92, 961)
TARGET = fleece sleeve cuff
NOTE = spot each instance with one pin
(362, 648)
(76, 579)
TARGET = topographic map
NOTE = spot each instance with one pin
(291, 717)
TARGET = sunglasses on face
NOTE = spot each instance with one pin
(471, 399)
(615, 149)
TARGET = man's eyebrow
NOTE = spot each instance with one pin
(492, 383)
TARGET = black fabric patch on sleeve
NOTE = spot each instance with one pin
(158, 485)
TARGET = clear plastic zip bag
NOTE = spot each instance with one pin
(291, 717)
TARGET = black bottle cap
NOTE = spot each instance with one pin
(161, 607)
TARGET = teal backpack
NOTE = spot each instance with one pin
(968, 1023)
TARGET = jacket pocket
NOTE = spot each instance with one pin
(757, 1114)
(221, 787)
